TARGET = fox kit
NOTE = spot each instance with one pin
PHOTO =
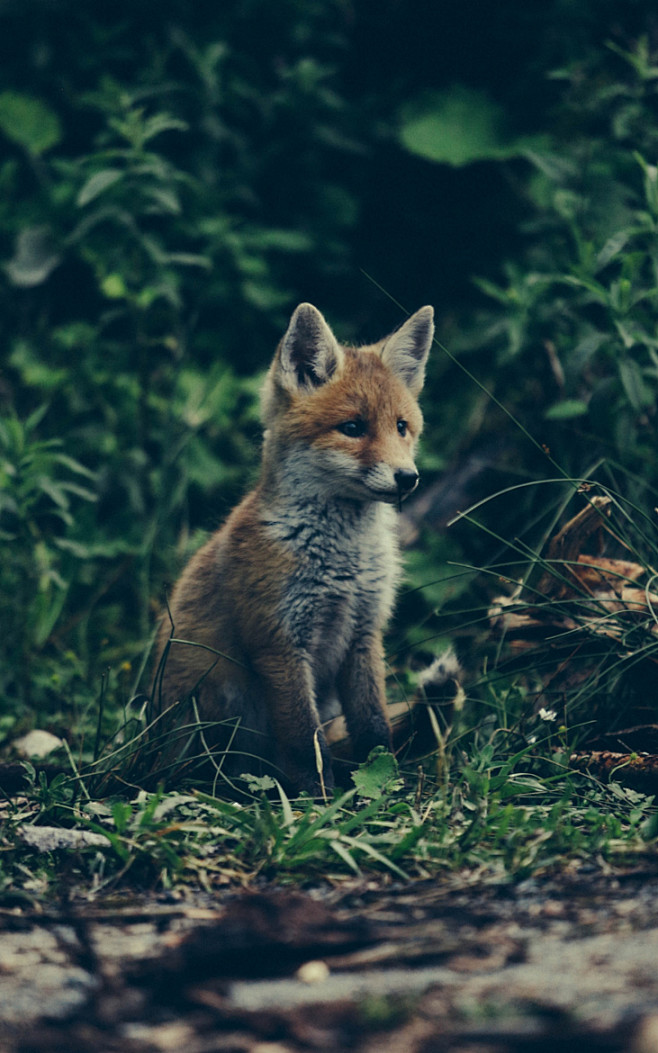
(280, 614)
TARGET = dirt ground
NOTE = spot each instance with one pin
(453, 964)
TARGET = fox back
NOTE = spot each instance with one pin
(276, 623)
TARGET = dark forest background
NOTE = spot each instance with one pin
(175, 178)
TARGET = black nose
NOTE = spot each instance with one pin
(405, 480)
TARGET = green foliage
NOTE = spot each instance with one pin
(460, 126)
(29, 122)
(41, 489)
(561, 360)
(585, 295)
(148, 240)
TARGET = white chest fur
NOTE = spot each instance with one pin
(345, 571)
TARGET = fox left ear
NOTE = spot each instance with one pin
(405, 351)
(309, 354)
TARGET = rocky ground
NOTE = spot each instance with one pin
(454, 964)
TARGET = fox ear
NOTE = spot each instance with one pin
(309, 354)
(405, 351)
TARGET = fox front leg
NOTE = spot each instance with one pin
(361, 689)
(301, 747)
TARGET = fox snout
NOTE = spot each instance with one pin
(391, 485)
(406, 480)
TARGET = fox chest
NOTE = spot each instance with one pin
(341, 587)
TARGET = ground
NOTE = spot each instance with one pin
(465, 962)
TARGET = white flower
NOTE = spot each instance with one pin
(547, 714)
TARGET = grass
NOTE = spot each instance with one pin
(495, 793)
(504, 805)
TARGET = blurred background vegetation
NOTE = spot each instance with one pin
(175, 178)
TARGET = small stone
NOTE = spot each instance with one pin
(312, 972)
(37, 744)
(51, 838)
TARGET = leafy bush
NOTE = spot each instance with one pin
(40, 490)
(567, 361)
(586, 295)
(149, 235)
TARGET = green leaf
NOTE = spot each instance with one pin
(650, 183)
(48, 610)
(36, 373)
(55, 491)
(34, 259)
(599, 292)
(97, 184)
(649, 829)
(346, 857)
(256, 784)
(286, 240)
(74, 548)
(162, 122)
(461, 125)
(164, 200)
(35, 417)
(189, 259)
(566, 410)
(496, 292)
(373, 778)
(74, 466)
(114, 287)
(362, 845)
(29, 122)
(80, 491)
(612, 248)
(637, 392)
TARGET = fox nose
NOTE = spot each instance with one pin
(405, 480)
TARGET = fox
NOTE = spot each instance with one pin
(276, 624)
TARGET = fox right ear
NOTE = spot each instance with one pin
(405, 351)
(309, 354)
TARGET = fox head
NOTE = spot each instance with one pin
(344, 422)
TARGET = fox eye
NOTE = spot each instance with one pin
(402, 427)
(354, 429)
